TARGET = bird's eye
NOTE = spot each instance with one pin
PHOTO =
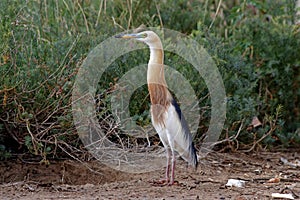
(144, 35)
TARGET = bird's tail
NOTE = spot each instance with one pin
(190, 156)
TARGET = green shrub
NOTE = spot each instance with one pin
(259, 61)
(255, 45)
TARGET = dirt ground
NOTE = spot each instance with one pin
(264, 173)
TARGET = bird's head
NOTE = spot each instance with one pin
(148, 37)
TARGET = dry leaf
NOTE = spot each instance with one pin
(255, 122)
(274, 180)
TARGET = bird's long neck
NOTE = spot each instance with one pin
(157, 86)
(155, 73)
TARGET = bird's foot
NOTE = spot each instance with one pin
(163, 182)
(173, 183)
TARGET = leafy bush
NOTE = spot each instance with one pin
(259, 62)
(255, 45)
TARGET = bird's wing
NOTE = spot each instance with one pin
(179, 134)
(161, 130)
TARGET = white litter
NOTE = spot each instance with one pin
(235, 183)
(285, 196)
(295, 163)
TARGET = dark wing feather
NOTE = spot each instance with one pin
(183, 138)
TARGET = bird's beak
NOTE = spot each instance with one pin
(129, 36)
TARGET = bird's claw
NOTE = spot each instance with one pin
(163, 182)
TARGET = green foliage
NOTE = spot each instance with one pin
(268, 76)
(255, 45)
(4, 154)
(41, 49)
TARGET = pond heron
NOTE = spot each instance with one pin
(166, 115)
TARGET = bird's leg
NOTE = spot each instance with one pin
(168, 166)
(165, 181)
(172, 169)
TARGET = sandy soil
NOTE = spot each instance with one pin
(69, 179)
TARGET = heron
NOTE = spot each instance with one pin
(166, 115)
